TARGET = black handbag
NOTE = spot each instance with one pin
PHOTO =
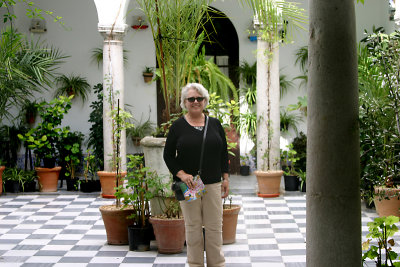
(178, 185)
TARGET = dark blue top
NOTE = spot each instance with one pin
(183, 147)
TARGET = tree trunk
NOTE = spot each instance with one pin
(333, 193)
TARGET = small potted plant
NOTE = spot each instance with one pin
(30, 111)
(140, 130)
(169, 226)
(381, 229)
(244, 165)
(289, 158)
(89, 184)
(136, 194)
(70, 151)
(43, 141)
(13, 179)
(72, 85)
(148, 73)
(230, 216)
(303, 177)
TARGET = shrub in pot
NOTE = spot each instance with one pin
(135, 194)
(289, 159)
(43, 140)
(229, 223)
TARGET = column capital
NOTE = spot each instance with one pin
(113, 33)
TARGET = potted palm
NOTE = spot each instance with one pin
(136, 195)
(72, 85)
(44, 138)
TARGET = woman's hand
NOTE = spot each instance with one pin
(225, 188)
(186, 178)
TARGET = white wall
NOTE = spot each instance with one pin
(80, 17)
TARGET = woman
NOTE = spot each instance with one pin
(182, 156)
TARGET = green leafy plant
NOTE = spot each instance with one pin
(70, 151)
(303, 177)
(45, 136)
(97, 55)
(289, 158)
(289, 120)
(301, 105)
(382, 229)
(72, 85)
(140, 129)
(26, 67)
(135, 193)
(300, 146)
(147, 69)
(95, 140)
(90, 166)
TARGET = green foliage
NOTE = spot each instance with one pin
(90, 167)
(300, 146)
(140, 129)
(72, 85)
(97, 55)
(379, 97)
(289, 120)
(247, 72)
(272, 15)
(96, 129)
(135, 193)
(10, 143)
(70, 150)
(381, 229)
(17, 175)
(148, 69)
(289, 158)
(25, 67)
(211, 77)
(175, 26)
(301, 105)
(44, 137)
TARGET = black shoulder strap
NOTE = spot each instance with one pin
(202, 145)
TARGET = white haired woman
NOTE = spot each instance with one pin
(182, 156)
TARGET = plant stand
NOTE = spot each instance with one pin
(116, 224)
(269, 183)
(108, 181)
(170, 234)
(48, 178)
(229, 223)
(387, 207)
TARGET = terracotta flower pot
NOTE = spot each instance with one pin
(2, 168)
(387, 207)
(269, 183)
(170, 234)
(147, 76)
(48, 178)
(229, 223)
(108, 181)
(116, 224)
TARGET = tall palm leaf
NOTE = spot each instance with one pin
(25, 67)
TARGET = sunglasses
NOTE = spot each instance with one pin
(192, 99)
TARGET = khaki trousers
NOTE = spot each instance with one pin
(207, 212)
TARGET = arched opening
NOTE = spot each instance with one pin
(222, 45)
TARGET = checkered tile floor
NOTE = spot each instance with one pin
(67, 230)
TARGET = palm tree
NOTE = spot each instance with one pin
(25, 67)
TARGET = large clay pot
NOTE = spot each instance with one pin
(269, 183)
(116, 224)
(2, 168)
(387, 207)
(229, 223)
(48, 178)
(170, 234)
(108, 181)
